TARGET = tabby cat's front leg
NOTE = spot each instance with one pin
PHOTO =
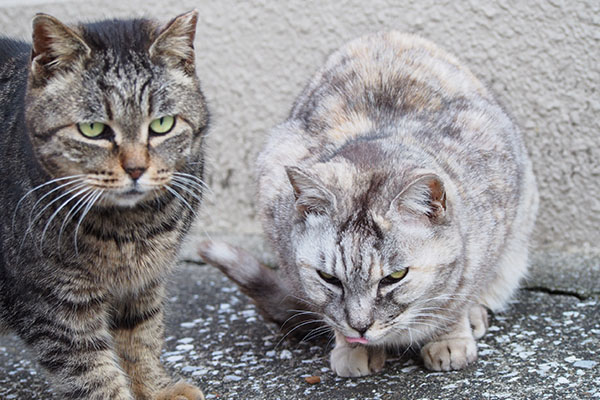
(138, 331)
(72, 342)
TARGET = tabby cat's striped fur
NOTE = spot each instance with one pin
(90, 226)
(399, 198)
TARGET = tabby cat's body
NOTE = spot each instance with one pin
(91, 222)
(399, 198)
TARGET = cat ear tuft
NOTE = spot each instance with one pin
(55, 46)
(175, 42)
(425, 195)
(311, 196)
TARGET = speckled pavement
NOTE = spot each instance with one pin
(547, 346)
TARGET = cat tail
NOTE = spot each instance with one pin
(273, 297)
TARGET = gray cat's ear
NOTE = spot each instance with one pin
(175, 42)
(425, 195)
(311, 196)
(55, 46)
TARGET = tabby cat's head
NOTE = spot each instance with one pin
(115, 105)
(376, 252)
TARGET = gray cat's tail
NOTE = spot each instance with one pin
(273, 297)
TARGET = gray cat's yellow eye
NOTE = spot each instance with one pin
(91, 129)
(329, 278)
(394, 277)
(162, 125)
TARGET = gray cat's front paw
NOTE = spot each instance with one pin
(352, 361)
(449, 354)
(478, 317)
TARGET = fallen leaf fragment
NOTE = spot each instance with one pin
(313, 379)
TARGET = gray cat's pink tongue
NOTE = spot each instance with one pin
(360, 340)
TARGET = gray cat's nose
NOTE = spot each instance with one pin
(362, 329)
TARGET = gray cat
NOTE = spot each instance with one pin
(102, 159)
(399, 199)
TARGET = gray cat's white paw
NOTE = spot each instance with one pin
(350, 361)
(449, 354)
(478, 319)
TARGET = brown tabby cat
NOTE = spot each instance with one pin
(101, 158)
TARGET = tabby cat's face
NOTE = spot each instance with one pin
(378, 270)
(123, 115)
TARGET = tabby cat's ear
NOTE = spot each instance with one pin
(55, 46)
(175, 42)
(425, 195)
(311, 196)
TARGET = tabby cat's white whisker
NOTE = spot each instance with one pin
(189, 182)
(187, 189)
(90, 202)
(195, 178)
(73, 211)
(33, 220)
(73, 177)
(184, 201)
(63, 205)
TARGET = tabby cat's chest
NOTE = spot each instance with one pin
(127, 250)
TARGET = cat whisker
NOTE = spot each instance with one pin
(315, 333)
(55, 213)
(33, 220)
(188, 190)
(184, 201)
(76, 207)
(195, 178)
(90, 202)
(188, 182)
(72, 177)
(311, 321)
(298, 314)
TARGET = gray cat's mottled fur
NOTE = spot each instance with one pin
(399, 198)
(91, 226)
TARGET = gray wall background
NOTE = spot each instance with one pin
(542, 58)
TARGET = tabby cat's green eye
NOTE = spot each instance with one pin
(162, 125)
(394, 277)
(91, 129)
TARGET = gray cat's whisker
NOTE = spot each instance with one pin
(314, 333)
(295, 315)
(312, 321)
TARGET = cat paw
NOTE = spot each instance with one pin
(478, 318)
(449, 354)
(180, 391)
(348, 361)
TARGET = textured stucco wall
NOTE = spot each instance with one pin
(540, 57)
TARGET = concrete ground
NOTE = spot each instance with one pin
(546, 346)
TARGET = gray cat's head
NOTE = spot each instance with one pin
(115, 105)
(376, 251)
